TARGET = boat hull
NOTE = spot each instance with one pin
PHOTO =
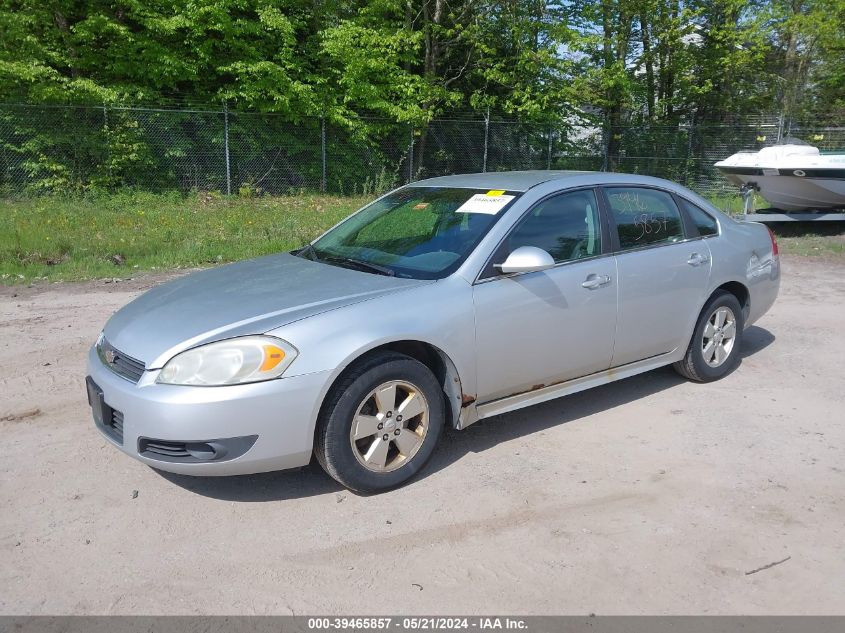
(793, 176)
(790, 191)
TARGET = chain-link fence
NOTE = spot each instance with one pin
(61, 148)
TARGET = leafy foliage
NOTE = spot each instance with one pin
(414, 59)
(355, 63)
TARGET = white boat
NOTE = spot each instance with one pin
(794, 176)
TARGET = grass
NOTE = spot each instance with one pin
(825, 239)
(117, 235)
(807, 239)
(70, 239)
(730, 204)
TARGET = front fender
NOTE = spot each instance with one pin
(439, 314)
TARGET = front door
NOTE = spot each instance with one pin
(540, 328)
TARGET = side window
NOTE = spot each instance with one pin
(565, 226)
(644, 216)
(705, 222)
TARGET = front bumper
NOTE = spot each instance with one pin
(281, 413)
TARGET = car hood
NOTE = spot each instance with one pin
(249, 297)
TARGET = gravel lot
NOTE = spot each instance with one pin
(650, 495)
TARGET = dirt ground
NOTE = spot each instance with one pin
(650, 495)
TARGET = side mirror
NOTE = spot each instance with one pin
(526, 259)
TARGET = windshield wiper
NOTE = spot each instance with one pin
(346, 262)
(357, 263)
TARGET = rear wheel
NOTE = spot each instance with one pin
(380, 423)
(714, 349)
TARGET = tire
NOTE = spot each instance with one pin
(361, 399)
(696, 365)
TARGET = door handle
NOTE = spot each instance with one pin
(594, 281)
(697, 259)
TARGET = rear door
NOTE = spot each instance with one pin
(663, 272)
(539, 328)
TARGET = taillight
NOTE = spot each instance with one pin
(774, 241)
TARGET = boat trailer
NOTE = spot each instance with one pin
(777, 215)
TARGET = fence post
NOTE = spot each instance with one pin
(780, 127)
(411, 157)
(605, 142)
(323, 152)
(108, 145)
(226, 147)
(486, 137)
(549, 161)
(689, 158)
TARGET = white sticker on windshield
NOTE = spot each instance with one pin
(484, 203)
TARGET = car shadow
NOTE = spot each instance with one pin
(308, 481)
(755, 339)
(490, 432)
(485, 434)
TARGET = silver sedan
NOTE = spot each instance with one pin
(441, 303)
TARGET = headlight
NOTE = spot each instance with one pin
(232, 362)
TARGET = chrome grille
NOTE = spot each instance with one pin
(124, 366)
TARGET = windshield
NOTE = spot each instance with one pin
(417, 232)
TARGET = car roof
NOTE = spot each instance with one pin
(507, 180)
(520, 181)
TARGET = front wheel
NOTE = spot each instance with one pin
(713, 351)
(380, 423)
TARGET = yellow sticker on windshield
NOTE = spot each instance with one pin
(495, 192)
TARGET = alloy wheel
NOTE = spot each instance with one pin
(719, 336)
(390, 426)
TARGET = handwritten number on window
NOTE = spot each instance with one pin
(650, 223)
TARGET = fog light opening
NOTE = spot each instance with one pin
(205, 451)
